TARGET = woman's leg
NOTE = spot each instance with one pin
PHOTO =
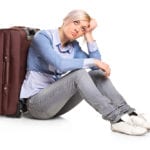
(47, 103)
(70, 104)
(106, 87)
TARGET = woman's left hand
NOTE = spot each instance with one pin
(88, 35)
(93, 25)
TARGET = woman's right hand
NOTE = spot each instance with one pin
(103, 66)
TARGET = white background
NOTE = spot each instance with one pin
(123, 36)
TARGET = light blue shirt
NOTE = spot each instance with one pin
(48, 61)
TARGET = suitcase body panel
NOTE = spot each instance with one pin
(13, 54)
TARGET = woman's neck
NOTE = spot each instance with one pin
(63, 39)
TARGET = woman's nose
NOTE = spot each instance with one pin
(76, 30)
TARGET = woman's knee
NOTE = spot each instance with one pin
(98, 72)
(81, 73)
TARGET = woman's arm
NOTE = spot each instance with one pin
(89, 38)
(91, 42)
(88, 35)
(42, 44)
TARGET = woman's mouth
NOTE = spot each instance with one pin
(74, 34)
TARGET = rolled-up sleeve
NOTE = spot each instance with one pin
(92, 47)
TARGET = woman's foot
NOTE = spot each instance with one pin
(126, 128)
(142, 120)
(133, 124)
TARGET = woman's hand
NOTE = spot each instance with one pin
(88, 35)
(93, 25)
(105, 67)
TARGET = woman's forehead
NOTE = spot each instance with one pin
(84, 23)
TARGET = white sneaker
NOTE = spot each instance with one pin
(145, 116)
(126, 128)
(141, 120)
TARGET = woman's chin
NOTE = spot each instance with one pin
(72, 39)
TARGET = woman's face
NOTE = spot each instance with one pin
(74, 29)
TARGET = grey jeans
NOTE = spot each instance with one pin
(63, 95)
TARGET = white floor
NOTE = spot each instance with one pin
(81, 128)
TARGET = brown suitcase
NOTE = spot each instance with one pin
(14, 43)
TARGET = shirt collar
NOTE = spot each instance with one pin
(57, 42)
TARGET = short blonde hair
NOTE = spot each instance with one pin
(77, 15)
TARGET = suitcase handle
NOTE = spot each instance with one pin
(30, 32)
(6, 67)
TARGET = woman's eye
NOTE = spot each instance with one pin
(83, 29)
(76, 22)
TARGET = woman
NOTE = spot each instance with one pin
(57, 80)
